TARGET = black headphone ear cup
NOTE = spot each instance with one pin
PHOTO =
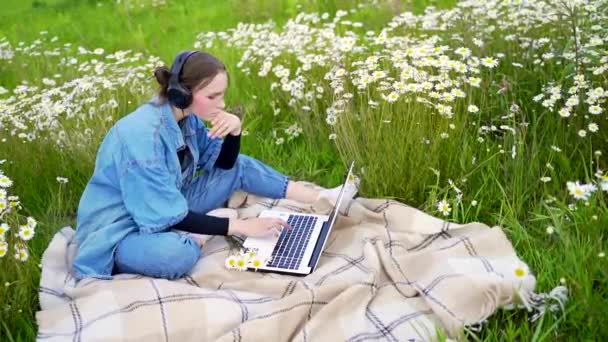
(179, 96)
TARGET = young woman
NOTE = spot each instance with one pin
(159, 168)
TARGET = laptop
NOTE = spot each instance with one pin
(296, 251)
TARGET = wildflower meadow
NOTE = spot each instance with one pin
(492, 111)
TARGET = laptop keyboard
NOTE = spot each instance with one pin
(292, 243)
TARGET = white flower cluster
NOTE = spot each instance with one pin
(583, 191)
(9, 206)
(86, 90)
(244, 259)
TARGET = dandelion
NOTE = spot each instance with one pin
(550, 230)
(444, 207)
(474, 203)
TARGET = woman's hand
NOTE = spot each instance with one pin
(257, 227)
(224, 123)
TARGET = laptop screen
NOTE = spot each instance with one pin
(330, 222)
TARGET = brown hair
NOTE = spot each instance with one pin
(197, 72)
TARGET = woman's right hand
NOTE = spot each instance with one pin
(257, 227)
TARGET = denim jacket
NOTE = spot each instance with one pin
(137, 182)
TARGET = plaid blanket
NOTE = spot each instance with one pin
(389, 272)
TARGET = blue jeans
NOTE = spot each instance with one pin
(171, 255)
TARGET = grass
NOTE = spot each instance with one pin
(506, 189)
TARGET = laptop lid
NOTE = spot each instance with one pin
(327, 226)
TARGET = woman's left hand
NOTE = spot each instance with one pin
(224, 123)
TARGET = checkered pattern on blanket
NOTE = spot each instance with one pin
(388, 272)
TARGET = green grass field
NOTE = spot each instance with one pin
(501, 153)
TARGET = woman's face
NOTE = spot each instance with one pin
(207, 101)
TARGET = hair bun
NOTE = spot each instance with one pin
(162, 75)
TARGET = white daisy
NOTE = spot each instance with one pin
(444, 207)
(241, 263)
(31, 222)
(392, 97)
(26, 233)
(489, 62)
(564, 112)
(580, 191)
(230, 262)
(593, 127)
(3, 248)
(595, 109)
(5, 182)
(21, 254)
(4, 227)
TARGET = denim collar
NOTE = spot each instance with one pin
(176, 131)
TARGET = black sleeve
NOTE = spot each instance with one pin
(203, 224)
(229, 152)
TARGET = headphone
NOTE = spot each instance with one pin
(177, 94)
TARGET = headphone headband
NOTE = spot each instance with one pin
(177, 94)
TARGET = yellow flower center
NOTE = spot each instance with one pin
(256, 263)
(231, 262)
(519, 272)
(579, 191)
(241, 263)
